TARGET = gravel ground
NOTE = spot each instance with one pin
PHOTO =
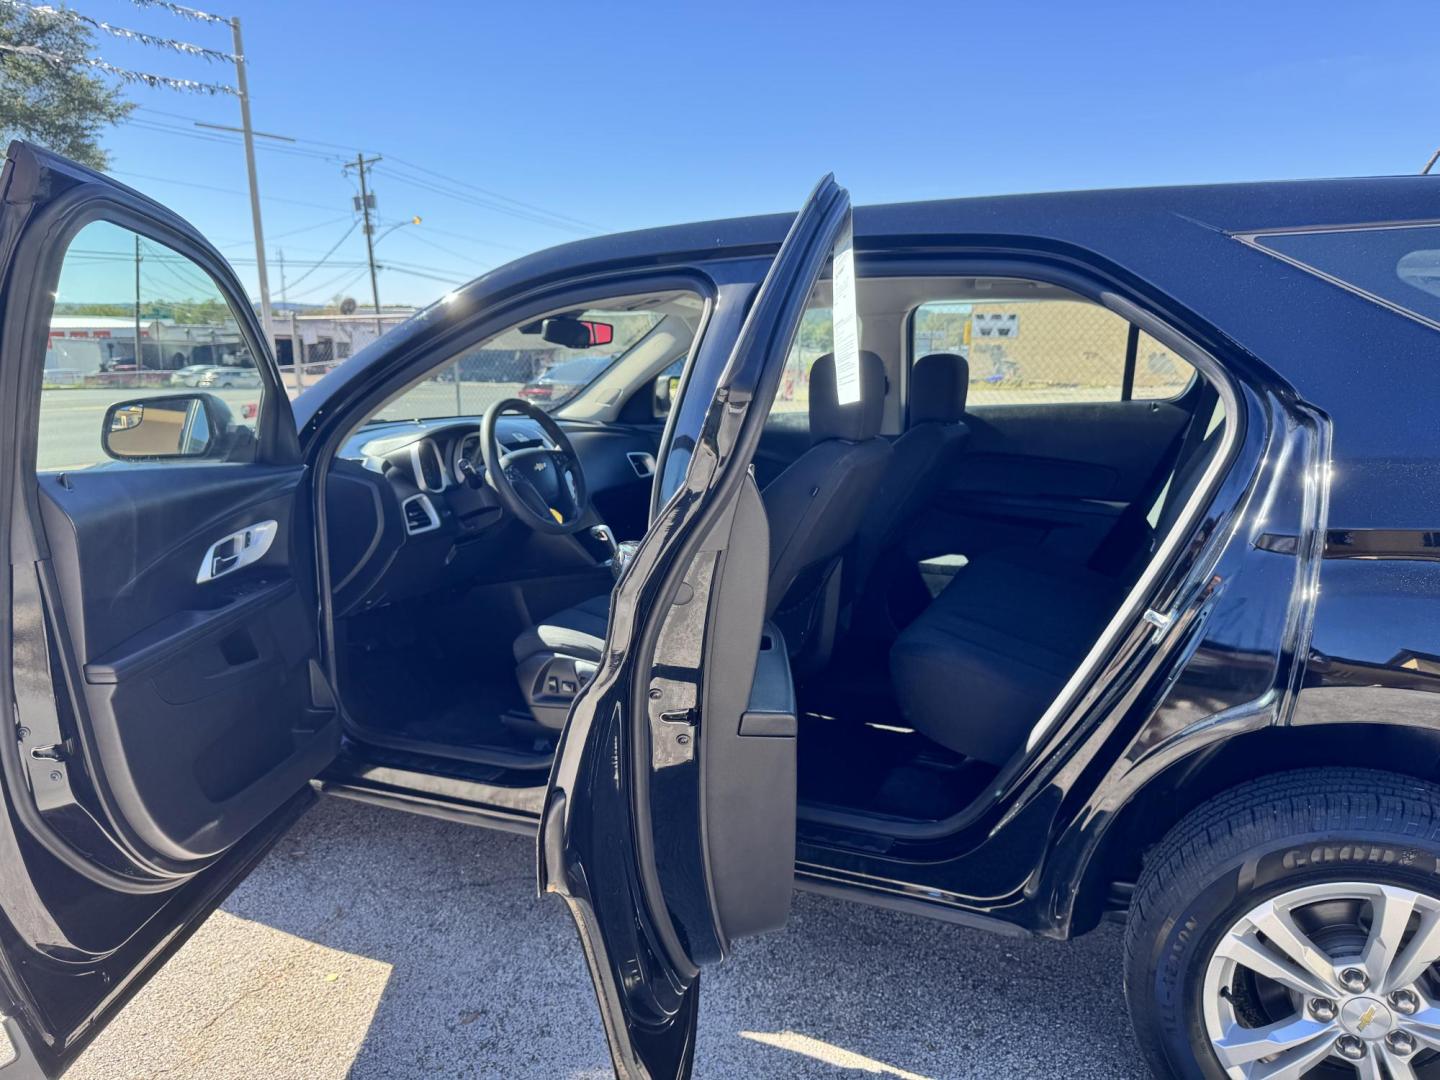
(378, 944)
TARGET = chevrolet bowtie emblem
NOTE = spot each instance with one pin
(539, 466)
(1365, 1018)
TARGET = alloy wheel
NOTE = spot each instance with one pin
(1331, 980)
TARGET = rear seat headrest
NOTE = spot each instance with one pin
(856, 422)
(939, 383)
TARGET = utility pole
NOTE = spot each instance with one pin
(139, 358)
(266, 318)
(295, 346)
(361, 162)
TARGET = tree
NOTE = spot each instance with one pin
(61, 107)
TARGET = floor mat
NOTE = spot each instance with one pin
(404, 692)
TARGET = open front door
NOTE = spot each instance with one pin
(158, 600)
(669, 826)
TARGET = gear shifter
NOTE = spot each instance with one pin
(603, 535)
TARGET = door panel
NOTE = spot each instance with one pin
(669, 821)
(213, 675)
(160, 604)
(1053, 477)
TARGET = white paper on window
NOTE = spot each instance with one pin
(846, 318)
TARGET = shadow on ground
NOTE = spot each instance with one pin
(375, 944)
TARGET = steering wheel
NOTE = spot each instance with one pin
(543, 486)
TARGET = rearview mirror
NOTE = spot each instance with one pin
(572, 333)
(172, 426)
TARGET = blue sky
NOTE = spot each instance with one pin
(625, 115)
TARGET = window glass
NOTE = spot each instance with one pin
(1050, 351)
(1028, 352)
(117, 289)
(815, 338)
(1399, 266)
(546, 362)
(1159, 373)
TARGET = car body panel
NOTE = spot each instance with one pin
(1303, 604)
(1305, 407)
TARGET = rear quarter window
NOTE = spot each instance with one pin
(1397, 266)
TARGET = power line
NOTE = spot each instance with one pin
(463, 190)
(422, 238)
(416, 273)
(349, 277)
(226, 191)
(488, 204)
(333, 247)
(495, 194)
(45, 11)
(296, 232)
(126, 75)
(214, 137)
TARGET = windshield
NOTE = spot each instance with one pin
(546, 362)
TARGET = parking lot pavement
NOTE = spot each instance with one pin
(377, 944)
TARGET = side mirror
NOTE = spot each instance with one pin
(170, 426)
(666, 387)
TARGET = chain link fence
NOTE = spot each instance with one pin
(1020, 352)
(1046, 351)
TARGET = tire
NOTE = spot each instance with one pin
(1255, 843)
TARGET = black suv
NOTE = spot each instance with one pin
(1016, 562)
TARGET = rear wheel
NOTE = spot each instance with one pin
(1290, 928)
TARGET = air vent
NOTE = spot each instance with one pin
(420, 514)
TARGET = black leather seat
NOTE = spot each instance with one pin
(814, 508)
(923, 458)
(978, 668)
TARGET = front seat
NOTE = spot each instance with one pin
(922, 463)
(814, 508)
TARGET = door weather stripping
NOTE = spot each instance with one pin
(236, 550)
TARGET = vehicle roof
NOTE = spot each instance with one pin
(1175, 246)
(1230, 208)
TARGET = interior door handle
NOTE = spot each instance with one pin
(236, 550)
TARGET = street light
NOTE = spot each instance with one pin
(370, 250)
(399, 224)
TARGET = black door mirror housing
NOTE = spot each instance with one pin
(166, 427)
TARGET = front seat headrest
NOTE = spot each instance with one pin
(939, 383)
(855, 422)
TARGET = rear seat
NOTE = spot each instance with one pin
(982, 663)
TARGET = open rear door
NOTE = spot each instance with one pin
(157, 602)
(669, 826)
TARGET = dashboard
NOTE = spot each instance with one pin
(404, 519)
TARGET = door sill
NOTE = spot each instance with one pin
(475, 755)
(885, 826)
